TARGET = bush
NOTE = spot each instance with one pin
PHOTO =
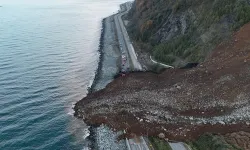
(212, 142)
(218, 18)
(159, 144)
(166, 52)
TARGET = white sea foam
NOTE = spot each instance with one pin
(70, 110)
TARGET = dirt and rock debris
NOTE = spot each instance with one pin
(181, 103)
(240, 139)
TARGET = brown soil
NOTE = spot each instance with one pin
(239, 139)
(182, 104)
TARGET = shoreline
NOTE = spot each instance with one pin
(92, 135)
(108, 67)
(100, 63)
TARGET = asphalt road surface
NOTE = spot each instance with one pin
(177, 146)
(130, 62)
(125, 64)
(124, 40)
(137, 144)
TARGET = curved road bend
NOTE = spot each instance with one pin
(164, 65)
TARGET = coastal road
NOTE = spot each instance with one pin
(164, 65)
(137, 143)
(177, 146)
(124, 38)
(131, 62)
(125, 65)
(127, 50)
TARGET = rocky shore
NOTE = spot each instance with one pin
(181, 103)
(102, 137)
(100, 50)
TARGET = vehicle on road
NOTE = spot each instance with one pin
(124, 58)
(123, 62)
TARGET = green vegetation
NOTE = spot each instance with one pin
(166, 52)
(159, 144)
(205, 142)
(208, 22)
(157, 68)
(211, 142)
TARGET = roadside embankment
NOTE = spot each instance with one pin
(109, 65)
(100, 50)
(181, 103)
(109, 61)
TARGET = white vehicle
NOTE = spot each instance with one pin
(123, 62)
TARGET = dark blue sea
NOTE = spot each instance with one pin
(48, 58)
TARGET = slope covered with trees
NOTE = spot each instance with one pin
(181, 31)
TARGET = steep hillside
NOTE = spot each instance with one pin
(180, 31)
(181, 103)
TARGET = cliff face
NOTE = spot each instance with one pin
(185, 30)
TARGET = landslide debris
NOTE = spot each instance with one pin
(181, 103)
(240, 139)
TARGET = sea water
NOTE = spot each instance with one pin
(48, 58)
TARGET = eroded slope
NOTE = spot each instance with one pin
(214, 97)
